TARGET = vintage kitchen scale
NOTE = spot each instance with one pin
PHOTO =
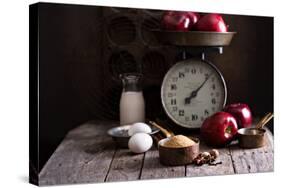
(193, 88)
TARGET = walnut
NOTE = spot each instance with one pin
(207, 158)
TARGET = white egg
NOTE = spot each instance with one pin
(140, 142)
(139, 128)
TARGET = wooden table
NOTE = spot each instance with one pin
(88, 155)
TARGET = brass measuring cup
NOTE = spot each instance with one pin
(175, 156)
(254, 137)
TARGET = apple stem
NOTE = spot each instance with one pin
(228, 130)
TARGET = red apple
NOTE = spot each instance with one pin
(241, 113)
(179, 21)
(211, 22)
(219, 129)
(194, 17)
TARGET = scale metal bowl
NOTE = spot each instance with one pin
(194, 38)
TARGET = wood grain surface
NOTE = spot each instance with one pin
(125, 166)
(88, 155)
(153, 169)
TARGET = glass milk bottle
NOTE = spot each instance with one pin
(132, 106)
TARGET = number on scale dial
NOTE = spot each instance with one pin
(191, 91)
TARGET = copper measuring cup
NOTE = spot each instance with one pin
(254, 137)
(175, 156)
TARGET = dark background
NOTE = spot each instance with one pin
(82, 50)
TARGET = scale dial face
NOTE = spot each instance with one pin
(193, 90)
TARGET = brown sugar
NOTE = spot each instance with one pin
(178, 142)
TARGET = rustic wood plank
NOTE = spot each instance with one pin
(254, 160)
(206, 170)
(125, 166)
(153, 169)
(88, 155)
(84, 156)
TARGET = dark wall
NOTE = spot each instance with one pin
(247, 64)
(70, 66)
(82, 49)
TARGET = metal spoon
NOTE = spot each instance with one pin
(164, 131)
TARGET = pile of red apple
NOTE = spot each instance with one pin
(221, 128)
(192, 21)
